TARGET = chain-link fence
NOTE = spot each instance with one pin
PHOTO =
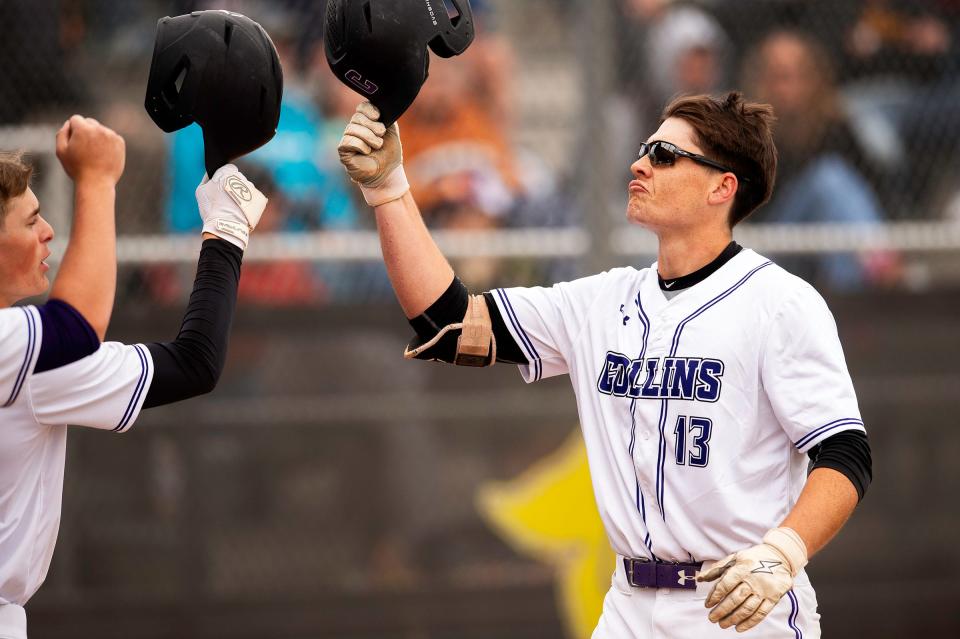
(327, 488)
(534, 127)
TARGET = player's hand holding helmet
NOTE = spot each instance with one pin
(230, 205)
(90, 151)
(752, 581)
(372, 155)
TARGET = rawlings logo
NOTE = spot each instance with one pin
(237, 187)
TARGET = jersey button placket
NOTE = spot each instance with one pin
(649, 444)
(645, 453)
(654, 350)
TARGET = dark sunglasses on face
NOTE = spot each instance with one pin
(666, 154)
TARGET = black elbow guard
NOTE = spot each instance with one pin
(450, 308)
(475, 345)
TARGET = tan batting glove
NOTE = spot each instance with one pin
(373, 157)
(752, 581)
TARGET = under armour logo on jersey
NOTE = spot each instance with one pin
(691, 378)
(626, 318)
(767, 567)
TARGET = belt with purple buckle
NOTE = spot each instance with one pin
(646, 573)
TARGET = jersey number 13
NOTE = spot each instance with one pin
(693, 440)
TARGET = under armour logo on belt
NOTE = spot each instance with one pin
(683, 578)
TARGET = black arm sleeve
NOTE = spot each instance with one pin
(67, 336)
(507, 348)
(450, 309)
(191, 364)
(847, 452)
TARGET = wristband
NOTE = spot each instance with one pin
(789, 543)
(394, 187)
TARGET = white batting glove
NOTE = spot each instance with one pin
(230, 205)
(752, 581)
(372, 155)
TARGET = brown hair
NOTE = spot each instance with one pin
(737, 134)
(14, 179)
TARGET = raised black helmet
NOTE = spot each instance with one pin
(221, 70)
(379, 47)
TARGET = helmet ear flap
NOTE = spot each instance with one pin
(169, 89)
(439, 46)
(172, 89)
(455, 33)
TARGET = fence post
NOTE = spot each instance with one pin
(595, 173)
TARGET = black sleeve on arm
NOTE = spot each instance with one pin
(67, 336)
(191, 364)
(847, 452)
(450, 308)
(507, 348)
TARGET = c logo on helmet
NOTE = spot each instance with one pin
(357, 80)
(239, 189)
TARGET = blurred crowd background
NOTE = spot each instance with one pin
(330, 489)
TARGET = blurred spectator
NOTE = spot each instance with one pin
(307, 15)
(491, 60)
(687, 52)
(664, 48)
(458, 150)
(39, 38)
(669, 48)
(458, 156)
(277, 282)
(456, 134)
(818, 179)
(910, 38)
(748, 21)
(310, 193)
(903, 83)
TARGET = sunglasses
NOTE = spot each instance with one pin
(666, 154)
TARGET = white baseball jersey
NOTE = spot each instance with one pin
(104, 390)
(697, 411)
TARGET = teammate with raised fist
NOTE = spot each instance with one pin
(55, 371)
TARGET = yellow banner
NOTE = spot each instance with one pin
(549, 513)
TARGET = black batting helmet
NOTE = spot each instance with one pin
(378, 48)
(221, 70)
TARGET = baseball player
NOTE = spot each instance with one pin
(706, 383)
(54, 370)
